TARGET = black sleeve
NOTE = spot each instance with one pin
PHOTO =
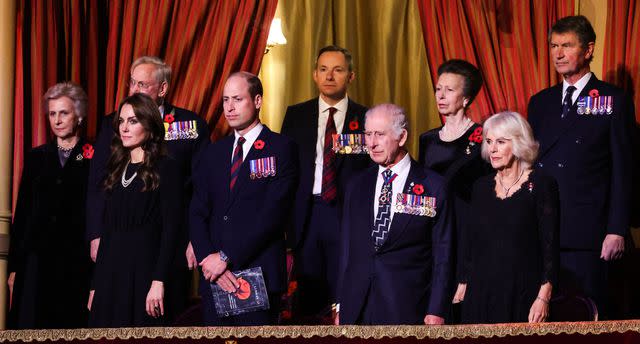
(547, 203)
(172, 214)
(97, 173)
(19, 226)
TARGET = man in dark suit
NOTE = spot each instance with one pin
(323, 175)
(395, 262)
(239, 210)
(186, 136)
(584, 128)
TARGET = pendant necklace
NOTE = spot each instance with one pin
(506, 190)
(126, 182)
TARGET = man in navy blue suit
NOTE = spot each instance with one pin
(186, 136)
(395, 262)
(584, 127)
(323, 176)
(243, 196)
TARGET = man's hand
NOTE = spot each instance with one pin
(93, 249)
(459, 295)
(212, 267)
(192, 262)
(612, 247)
(433, 320)
(228, 282)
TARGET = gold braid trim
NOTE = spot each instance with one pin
(369, 332)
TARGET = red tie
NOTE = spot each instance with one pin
(236, 162)
(329, 190)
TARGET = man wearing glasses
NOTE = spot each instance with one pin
(186, 135)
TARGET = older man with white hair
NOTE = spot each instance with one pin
(396, 228)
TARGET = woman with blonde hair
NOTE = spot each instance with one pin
(512, 259)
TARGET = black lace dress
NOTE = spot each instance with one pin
(513, 249)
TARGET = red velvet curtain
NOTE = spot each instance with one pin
(94, 42)
(505, 39)
(622, 48)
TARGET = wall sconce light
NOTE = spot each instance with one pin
(276, 37)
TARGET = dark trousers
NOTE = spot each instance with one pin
(317, 260)
(582, 272)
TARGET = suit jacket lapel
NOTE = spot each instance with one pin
(567, 123)
(366, 199)
(243, 174)
(401, 221)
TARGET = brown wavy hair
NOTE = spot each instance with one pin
(154, 148)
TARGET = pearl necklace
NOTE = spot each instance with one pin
(126, 182)
(506, 190)
(458, 133)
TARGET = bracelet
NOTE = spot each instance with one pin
(543, 300)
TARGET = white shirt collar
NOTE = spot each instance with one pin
(579, 85)
(341, 106)
(252, 135)
(400, 168)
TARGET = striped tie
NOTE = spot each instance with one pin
(383, 218)
(329, 190)
(566, 103)
(236, 162)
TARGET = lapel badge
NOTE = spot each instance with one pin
(79, 157)
(262, 168)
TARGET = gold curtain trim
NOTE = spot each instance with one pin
(367, 332)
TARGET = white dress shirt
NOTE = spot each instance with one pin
(249, 137)
(338, 118)
(579, 85)
(397, 186)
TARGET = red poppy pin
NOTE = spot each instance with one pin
(87, 151)
(418, 189)
(169, 118)
(594, 93)
(353, 125)
(259, 144)
(476, 136)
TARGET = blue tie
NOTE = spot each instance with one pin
(383, 219)
(566, 103)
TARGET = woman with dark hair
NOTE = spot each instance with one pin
(453, 150)
(143, 214)
(48, 261)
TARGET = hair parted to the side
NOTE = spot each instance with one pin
(147, 113)
(345, 52)
(469, 73)
(162, 72)
(511, 125)
(70, 90)
(398, 116)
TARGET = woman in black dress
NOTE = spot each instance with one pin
(453, 150)
(143, 214)
(513, 230)
(48, 261)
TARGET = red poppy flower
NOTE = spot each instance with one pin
(353, 125)
(87, 151)
(594, 93)
(293, 286)
(244, 291)
(169, 118)
(476, 136)
(418, 189)
(259, 144)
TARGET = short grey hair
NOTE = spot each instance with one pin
(162, 72)
(511, 125)
(398, 117)
(70, 90)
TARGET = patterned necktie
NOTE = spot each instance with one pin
(329, 190)
(383, 219)
(236, 162)
(566, 103)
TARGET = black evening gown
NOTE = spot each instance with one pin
(137, 247)
(513, 249)
(48, 252)
(460, 163)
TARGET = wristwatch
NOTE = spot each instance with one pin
(223, 257)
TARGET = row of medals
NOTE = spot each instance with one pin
(349, 144)
(595, 105)
(418, 209)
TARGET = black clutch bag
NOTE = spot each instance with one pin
(251, 295)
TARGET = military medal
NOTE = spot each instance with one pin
(262, 168)
(415, 205)
(349, 144)
(609, 106)
(581, 105)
